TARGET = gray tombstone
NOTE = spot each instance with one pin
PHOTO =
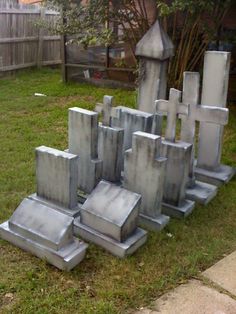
(154, 51)
(39, 224)
(198, 191)
(56, 178)
(83, 141)
(109, 219)
(110, 143)
(214, 93)
(178, 156)
(144, 174)
(131, 120)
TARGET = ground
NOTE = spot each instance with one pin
(101, 283)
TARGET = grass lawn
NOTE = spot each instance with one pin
(101, 283)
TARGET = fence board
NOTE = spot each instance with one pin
(22, 43)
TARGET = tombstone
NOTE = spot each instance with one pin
(154, 51)
(198, 191)
(109, 219)
(131, 120)
(56, 180)
(39, 224)
(83, 141)
(110, 144)
(214, 93)
(144, 174)
(178, 156)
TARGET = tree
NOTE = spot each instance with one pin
(191, 24)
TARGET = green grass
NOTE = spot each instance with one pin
(101, 283)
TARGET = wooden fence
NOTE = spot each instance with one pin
(23, 44)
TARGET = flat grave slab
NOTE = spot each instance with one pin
(44, 232)
(109, 218)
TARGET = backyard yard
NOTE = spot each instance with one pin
(101, 283)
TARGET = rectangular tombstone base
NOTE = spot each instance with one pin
(178, 211)
(74, 212)
(114, 247)
(64, 259)
(221, 176)
(153, 224)
(201, 192)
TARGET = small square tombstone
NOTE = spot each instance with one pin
(83, 141)
(43, 223)
(109, 219)
(144, 174)
(178, 156)
(214, 93)
(198, 191)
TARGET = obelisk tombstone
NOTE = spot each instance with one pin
(154, 51)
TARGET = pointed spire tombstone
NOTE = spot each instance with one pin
(144, 174)
(178, 156)
(197, 190)
(214, 93)
(154, 51)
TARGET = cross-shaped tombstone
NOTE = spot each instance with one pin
(83, 141)
(110, 142)
(178, 156)
(171, 108)
(144, 174)
(214, 93)
(198, 191)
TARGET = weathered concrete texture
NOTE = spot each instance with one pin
(144, 174)
(194, 298)
(223, 273)
(110, 151)
(201, 192)
(155, 44)
(57, 176)
(107, 110)
(45, 233)
(111, 210)
(152, 83)
(172, 108)
(109, 217)
(214, 93)
(116, 248)
(176, 177)
(198, 191)
(131, 121)
(223, 174)
(83, 141)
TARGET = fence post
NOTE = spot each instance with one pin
(41, 37)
